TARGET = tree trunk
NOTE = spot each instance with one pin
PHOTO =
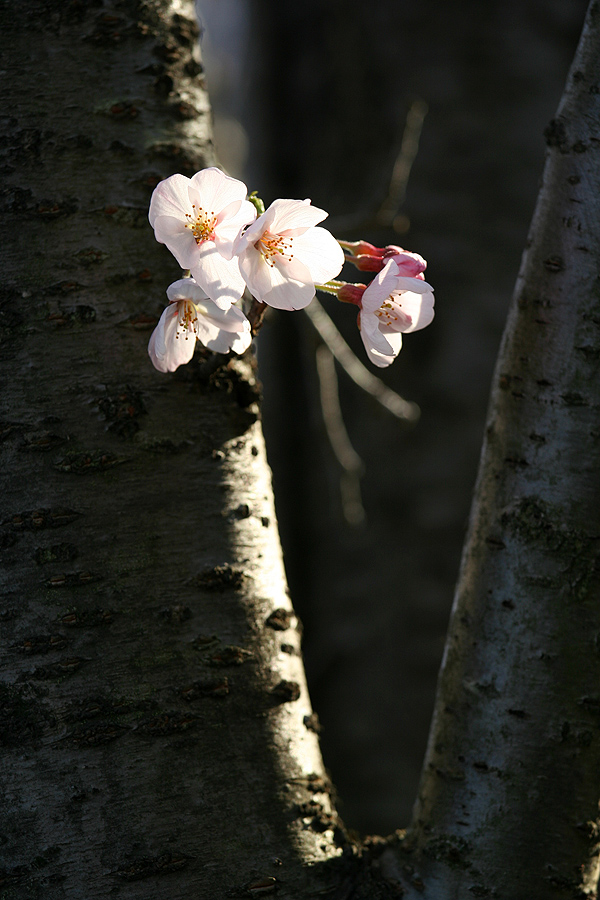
(153, 713)
(508, 804)
(492, 74)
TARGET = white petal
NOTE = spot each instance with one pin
(219, 277)
(386, 282)
(283, 285)
(234, 334)
(170, 198)
(167, 350)
(217, 190)
(252, 234)
(320, 252)
(377, 357)
(229, 226)
(370, 331)
(256, 272)
(242, 341)
(186, 289)
(294, 214)
(287, 291)
(178, 238)
(419, 307)
(232, 319)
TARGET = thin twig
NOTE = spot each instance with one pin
(351, 463)
(401, 172)
(387, 213)
(393, 402)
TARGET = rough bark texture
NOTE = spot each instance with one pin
(154, 720)
(508, 805)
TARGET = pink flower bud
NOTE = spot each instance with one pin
(410, 264)
(368, 258)
(351, 293)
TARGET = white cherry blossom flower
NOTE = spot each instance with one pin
(392, 305)
(282, 255)
(192, 316)
(198, 219)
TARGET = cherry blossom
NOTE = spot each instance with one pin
(393, 304)
(199, 219)
(192, 316)
(282, 255)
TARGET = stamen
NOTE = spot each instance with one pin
(202, 224)
(269, 245)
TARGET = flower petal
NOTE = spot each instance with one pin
(256, 272)
(219, 277)
(170, 198)
(320, 252)
(217, 190)
(386, 282)
(229, 225)
(419, 307)
(186, 289)
(179, 239)
(294, 214)
(370, 330)
(291, 285)
(378, 356)
(166, 349)
(223, 331)
(255, 231)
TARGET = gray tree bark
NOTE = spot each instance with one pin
(508, 804)
(154, 719)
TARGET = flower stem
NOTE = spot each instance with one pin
(332, 287)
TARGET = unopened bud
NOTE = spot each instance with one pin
(410, 264)
(368, 258)
(351, 293)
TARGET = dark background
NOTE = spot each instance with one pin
(311, 100)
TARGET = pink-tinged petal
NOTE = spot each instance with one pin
(219, 277)
(212, 336)
(170, 198)
(291, 285)
(216, 189)
(320, 252)
(384, 359)
(255, 272)
(232, 319)
(179, 240)
(419, 307)
(386, 282)
(370, 330)
(254, 232)
(231, 332)
(229, 225)
(377, 290)
(186, 289)
(294, 214)
(166, 348)
(282, 284)
(411, 264)
(241, 342)
(378, 357)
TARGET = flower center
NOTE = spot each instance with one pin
(202, 224)
(391, 314)
(270, 245)
(187, 318)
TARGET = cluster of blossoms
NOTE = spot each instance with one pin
(228, 242)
